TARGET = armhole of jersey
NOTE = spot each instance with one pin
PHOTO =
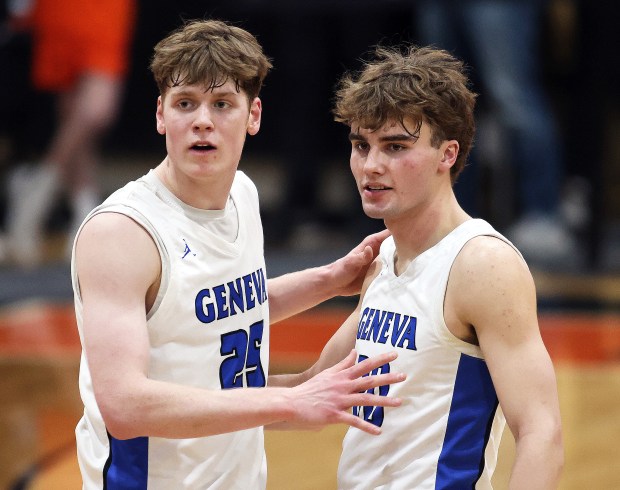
(445, 333)
(387, 250)
(164, 258)
(141, 220)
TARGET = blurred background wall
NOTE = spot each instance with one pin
(311, 210)
(300, 156)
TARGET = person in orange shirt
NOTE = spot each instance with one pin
(81, 54)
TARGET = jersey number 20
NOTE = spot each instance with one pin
(242, 366)
(374, 415)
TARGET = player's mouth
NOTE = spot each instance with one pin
(202, 147)
(373, 188)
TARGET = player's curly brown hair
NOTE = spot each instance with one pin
(416, 83)
(210, 52)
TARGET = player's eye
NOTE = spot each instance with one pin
(361, 146)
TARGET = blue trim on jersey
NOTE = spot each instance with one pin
(473, 408)
(127, 465)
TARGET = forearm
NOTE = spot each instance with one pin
(159, 409)
(286, 380)
(298, 291)
(293, 293)
(538, 462)
(142, 407)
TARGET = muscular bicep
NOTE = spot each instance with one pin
(117, 264)
(496, 295)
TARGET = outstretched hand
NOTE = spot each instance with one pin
(328, 397)
(349, 271)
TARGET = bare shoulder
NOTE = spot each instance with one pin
(375, 268)
(114, 245)
(110, 224)
(373, 271)
(489, 278)
(490, 256)
(112, 230)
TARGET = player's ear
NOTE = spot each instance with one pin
(450, 150)
(159, 116)
(256, 109)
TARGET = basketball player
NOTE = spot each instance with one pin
(448, 292)
(172, 300)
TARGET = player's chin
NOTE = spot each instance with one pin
(373, 211)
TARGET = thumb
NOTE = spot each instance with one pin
(367, 254)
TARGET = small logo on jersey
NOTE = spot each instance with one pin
(187, 250)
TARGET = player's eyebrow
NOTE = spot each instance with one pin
(384, 139)
(188, 91)
(398, 137)
(223, 92)
(356, 137)
(185, 92)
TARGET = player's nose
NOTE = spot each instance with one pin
(203, 118)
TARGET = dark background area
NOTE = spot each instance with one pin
(311, 45)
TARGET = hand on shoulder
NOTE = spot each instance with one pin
(349, 273)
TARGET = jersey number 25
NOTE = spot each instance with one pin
(242, 365)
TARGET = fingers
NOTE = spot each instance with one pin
(359, 371)
(361, 424)
(375, 239)
(370, 382)
(346, 417)
(367, 254)
(381, 235)
(367, 365)
(363, 254)
(355, 391)
(370, 400)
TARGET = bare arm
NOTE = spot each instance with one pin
(336, 349)
(298, 291)
(118, 268)
(492, 290)
(338, 346)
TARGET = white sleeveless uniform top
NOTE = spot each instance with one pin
(447, 431)
(208, 328)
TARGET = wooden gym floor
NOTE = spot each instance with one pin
(39, 404)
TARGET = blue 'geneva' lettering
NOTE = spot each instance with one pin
(381, 326)
(224, 300)
(236, 296)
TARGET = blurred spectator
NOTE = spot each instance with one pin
(500, 41)
(80, 53)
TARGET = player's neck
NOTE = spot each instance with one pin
(205, 193)
(423, 230)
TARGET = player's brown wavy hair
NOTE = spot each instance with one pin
(411, 82)
(210, 52)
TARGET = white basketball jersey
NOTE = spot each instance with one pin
(447, 431)
(208, 328)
